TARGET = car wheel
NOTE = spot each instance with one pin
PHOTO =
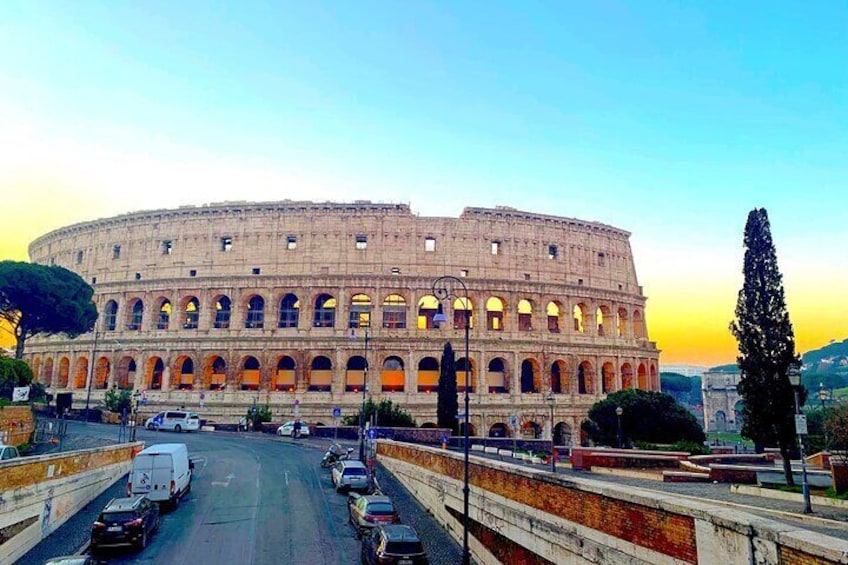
(176, 502)
(178, 428)
(151, 427)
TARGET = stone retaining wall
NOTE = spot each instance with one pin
(521, 515)
(16, 425)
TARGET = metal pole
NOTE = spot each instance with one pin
(466, 555)
(91, 370)
(805, 487)
(553, 448)
(362, 412)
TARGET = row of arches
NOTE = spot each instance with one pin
(319, 374)
(254, 313)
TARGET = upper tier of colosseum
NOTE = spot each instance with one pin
(288, 238)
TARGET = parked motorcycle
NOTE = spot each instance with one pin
(335, 453)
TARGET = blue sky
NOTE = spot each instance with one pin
(666, 120)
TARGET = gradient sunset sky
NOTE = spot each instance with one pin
(671, 122)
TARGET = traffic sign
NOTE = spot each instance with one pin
(372, 433)
(337, 412)
(801, 424)
(513, 421)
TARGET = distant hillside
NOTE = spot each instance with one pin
(732, 368)
(830, 359)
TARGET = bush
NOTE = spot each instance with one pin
(117, 400)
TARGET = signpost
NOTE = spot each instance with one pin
(513, 423)
(337, 413)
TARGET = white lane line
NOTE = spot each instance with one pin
(287, 478)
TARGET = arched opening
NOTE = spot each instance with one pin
(655, 382)
(392, 376)
(360, 311)
(101, 373)
(608, 377)
(191, 313)
(525, 316)
(36, 370)
(738, 414)
(460, 375)
(626, 376)
(321, 374)
(531, 430)
(559, 377)
(250, 373)
(48, 372)
(562, 434)
(472, 432)
(110, 315)
(284, 379)
(500, 430)
(255, 318)
(325, 312)
(585, 378)
(463, 309)
(602, 316)
(643, 377)
(215, 373)
(428, 375)
(163, 320)
(428, 425)
(638, 325)
(579, 316)
(184, 373)
(427, 308)
(223, 310)
(394, 312)
(530, 377)
(621, 323)
(136, 315)
(64, 372)
(721, 421)
(495, 314)
(125, 372)
(154, 373)
(355, 373)
(554, 312)
(81, 372)
(289, 311)
(496, 377)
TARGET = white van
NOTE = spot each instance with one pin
(177, 420)
(162, 472)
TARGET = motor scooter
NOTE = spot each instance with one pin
(335, 453)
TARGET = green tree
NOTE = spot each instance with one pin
(117, 400)
(447, 404)
(387, 414)
(13, 373)
(35, 299)
(766, 344)
(836, 428)
(647, 416)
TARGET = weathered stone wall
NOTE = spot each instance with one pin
(39, 494)
(16, 425)
(521, 515)
(539, 259)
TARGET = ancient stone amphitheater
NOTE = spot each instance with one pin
(221, 306)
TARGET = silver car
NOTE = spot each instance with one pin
(351, 475)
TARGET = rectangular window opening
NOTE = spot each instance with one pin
(361, 242)
(463, 272)
(167, 247)
(226, 244)
(192, 273)
(256, 270)
(602, 259)
(291, 242)
(496, 247)
(552, 252)
(79, 257)
(430, 244)
(116, 252)
(396, 271)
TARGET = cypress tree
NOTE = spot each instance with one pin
(766, 344)
(447, 406)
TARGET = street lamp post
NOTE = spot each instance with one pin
(822, 395)
(552, 403)
(794, 375)
(443, 288)
(91, 370)
(136, 396)
(618, 412)
(365, 326)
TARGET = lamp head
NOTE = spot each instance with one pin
(619, 410)
(440, 317)
(794, 374)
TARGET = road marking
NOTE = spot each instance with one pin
(287, 478)
(226, 483)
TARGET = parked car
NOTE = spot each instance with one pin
(351, 475)
(8, 452)
(176, 420)
(393, 543)
(163, 472)
(125, 521)
(366, 511)
(287, 429)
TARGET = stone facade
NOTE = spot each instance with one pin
(722, 403)
(219, 306)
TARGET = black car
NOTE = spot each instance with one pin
(125, 521)
(393, 543)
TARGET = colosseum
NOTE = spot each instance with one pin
(223, 306)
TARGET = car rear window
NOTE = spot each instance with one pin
(355, 471)
(193, 417)
(381, 508)
(117, 517)
(404, 547)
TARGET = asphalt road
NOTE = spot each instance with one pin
(255, 499)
